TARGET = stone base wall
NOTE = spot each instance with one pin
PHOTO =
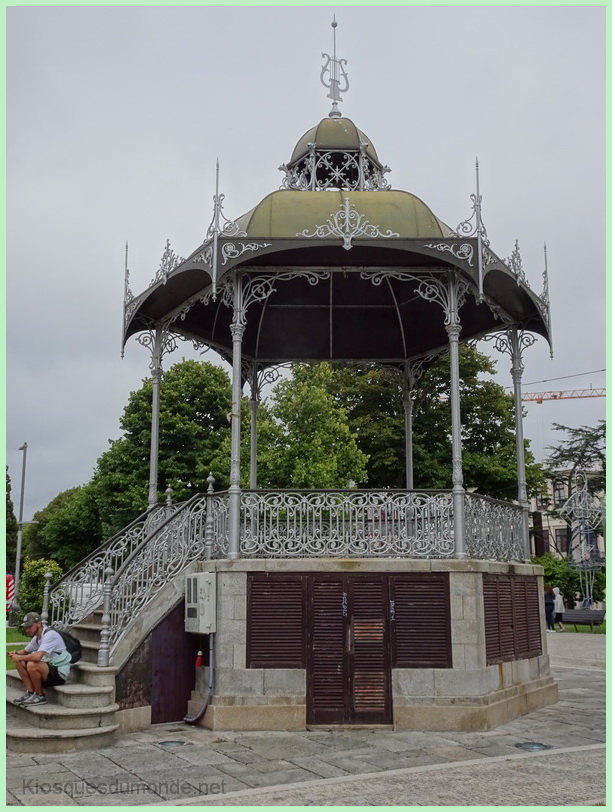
(469, 696)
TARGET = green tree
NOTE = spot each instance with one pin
(558, 572)
(195, 399)
(583, 449)
(372, 397)
(317, 448)
(303, 437)
(32, 583)
(10, 528)
(67, 529)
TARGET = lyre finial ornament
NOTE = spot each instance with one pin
(337, 77)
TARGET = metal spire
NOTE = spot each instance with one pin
(337, 76)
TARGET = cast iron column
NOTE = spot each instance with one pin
(254, 404)
(453, 329)
(517, 377)
(407, 399)
(156, 380)
(237, 328)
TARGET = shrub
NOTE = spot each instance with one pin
(557, 572)
(32, 582)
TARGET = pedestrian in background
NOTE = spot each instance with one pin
(559, 608)
(549, 608)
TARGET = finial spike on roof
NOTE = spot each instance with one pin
(337, 76)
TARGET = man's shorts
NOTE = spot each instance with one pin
(559, 617)
(53, 677)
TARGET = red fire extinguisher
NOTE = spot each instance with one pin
(198, 663)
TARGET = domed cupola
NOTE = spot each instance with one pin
(335, 154)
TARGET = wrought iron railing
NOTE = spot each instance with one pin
(79, 591)
(197, 531)
(132, 567)
(493, 529)
(347, 523)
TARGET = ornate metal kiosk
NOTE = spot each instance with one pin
(411, 608)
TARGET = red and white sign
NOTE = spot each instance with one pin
(10, 590)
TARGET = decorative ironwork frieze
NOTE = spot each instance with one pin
(205, 257)
(347, 223)
(230, 250)
(169, 262)
(464, 252)
(434, 289)
(221, 225)
(513, 342)
(166, 344)
(515, 264)
(349, 170)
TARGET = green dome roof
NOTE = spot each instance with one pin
(285, 213)
(333, 134)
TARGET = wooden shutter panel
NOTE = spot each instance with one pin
(521, 621)
(371, 683)
(512, 618)
(275, 621)
(420, 620)
(328, 695)
(491, 621)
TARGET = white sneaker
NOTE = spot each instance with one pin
(21, 699)
(34, 699)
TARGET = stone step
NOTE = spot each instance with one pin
(52, 716)
(71, 695)
(87, 631)
(91, 674)
(90, 650)
(23, 737)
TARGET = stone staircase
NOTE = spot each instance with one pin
(77, 715)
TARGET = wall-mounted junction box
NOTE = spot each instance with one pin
(201, 603)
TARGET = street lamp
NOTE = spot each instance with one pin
(15, 604)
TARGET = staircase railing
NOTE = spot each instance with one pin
(197, 530)
(80, 590)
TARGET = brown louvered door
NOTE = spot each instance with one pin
(348, 671)
(369, 651)
(419, 606)
(327, 669)
(512, 617)
(276, 620)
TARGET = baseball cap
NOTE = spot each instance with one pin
(29, 619)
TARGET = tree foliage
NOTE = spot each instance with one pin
(372, 397)
(583, 449)
(10, 528)
(195, 399)
(303, 436)
(67, 529)
(558, 572)
(32, 583)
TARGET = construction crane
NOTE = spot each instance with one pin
(563, 394)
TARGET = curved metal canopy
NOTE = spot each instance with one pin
(335, 266)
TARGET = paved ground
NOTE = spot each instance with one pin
(358, 767)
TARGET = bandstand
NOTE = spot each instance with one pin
(412, 608)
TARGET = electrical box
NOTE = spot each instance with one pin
(201, 603)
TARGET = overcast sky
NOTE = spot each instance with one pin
(115, 117)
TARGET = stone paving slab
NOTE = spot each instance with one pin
(348, 766)
(516, 780)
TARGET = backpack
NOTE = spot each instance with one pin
(73, 645)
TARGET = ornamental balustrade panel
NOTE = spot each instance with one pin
(79, 592)
(301, 524)
(181, 540)
(493, 529)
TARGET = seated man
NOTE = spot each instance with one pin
(42, 663)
